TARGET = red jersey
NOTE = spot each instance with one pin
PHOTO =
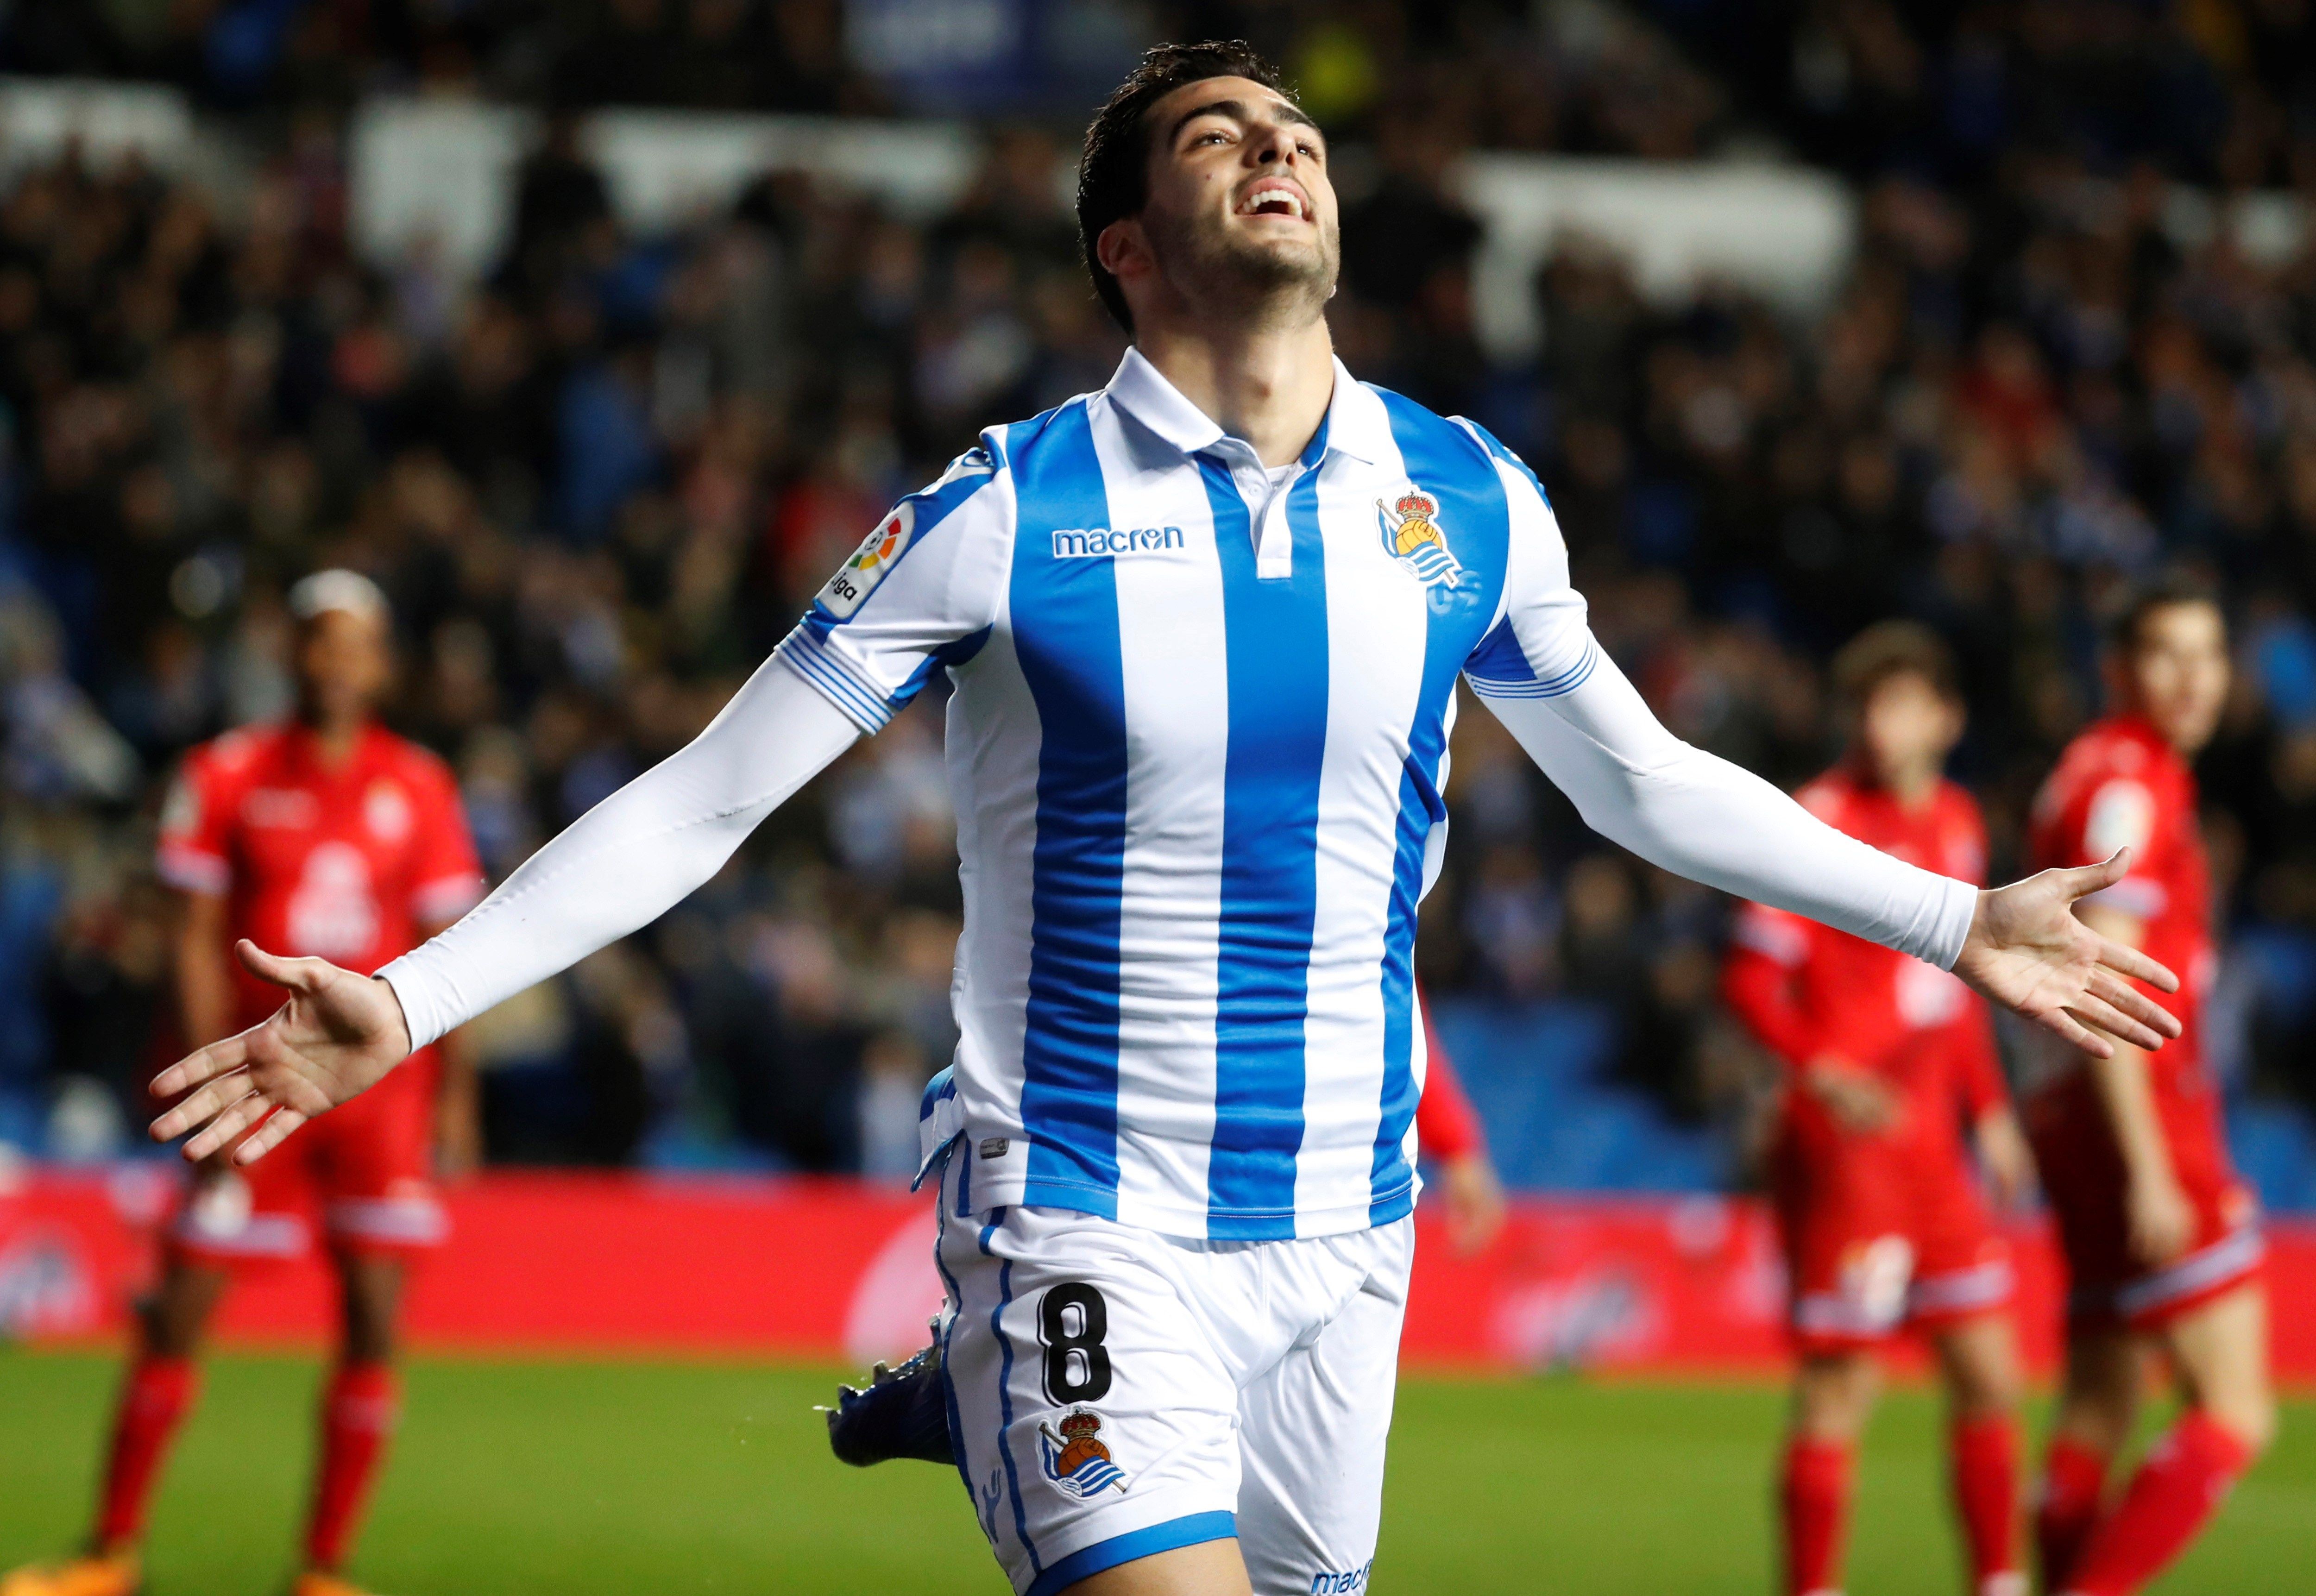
(2121, 785)
(1808, 991)
(1885, 1228)
(345, 864)
(1447, 1125)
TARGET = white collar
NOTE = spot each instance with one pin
(1356, 423)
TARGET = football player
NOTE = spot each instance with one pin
(2162, 1241)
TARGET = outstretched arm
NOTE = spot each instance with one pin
(1703, 818)
(618, 868)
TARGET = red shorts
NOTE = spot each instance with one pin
(1879, 1239)
(2083, 1177)
(363, 1169)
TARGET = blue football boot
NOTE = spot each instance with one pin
(902, 1413)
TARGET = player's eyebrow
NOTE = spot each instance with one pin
(1236, 111)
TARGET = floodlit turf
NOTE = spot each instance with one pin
(578, 1477)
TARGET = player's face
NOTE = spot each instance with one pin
(1906, 728)
(343, 664)
(1239, 194)
(2177, 672)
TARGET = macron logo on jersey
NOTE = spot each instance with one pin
(1097, 542)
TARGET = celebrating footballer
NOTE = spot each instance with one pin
(1203, 628)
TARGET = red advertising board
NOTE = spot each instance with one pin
(640, 1265)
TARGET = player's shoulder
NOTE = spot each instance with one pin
(1062, 435)
(1442, 441)
(2116, 786)
(1957, 805)
(2119, 746)
(241, 754)
(2107, 752)
(2095, 754)
(402, 758)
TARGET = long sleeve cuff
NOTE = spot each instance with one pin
(427, 1010)
(1948, 925)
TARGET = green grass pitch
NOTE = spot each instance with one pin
(579, 1477)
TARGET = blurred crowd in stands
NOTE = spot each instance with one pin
(2214, 90)
(600, 484)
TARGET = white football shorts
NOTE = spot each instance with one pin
(1115, 1393)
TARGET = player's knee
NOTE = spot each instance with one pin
(167, 1335)
(2249, 1416)
(366, 1343)
(368, 1330)
(172, 1321)
(2099, 1415)
(1983, 1380)
(372, 1294)
(1833, 1395)
(1984, 1391)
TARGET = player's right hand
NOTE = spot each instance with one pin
(1860, 1103)
(336, 1036)
(2162, 1220)
(2027, 951)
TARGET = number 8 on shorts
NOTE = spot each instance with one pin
(1119, 1394)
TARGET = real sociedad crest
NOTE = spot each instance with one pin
(1411, 535)
(1077, 1464)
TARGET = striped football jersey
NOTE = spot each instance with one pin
(1197, 740)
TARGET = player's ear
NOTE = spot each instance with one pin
(1124, 249)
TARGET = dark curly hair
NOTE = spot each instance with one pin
(1114, 174)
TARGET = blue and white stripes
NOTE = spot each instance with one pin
(1198, 789)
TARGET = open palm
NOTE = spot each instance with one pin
(2027, 951)
(338, 1035)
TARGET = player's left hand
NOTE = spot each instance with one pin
(335, 1038)
(2027, 951)
(2009, 1165)
(1475, 1200)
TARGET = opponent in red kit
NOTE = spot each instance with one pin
(1890, 1060)
(2162, 1241)
(327, 836)
(1447, 1131)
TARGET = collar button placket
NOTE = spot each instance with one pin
(1274, 550)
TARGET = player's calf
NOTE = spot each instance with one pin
(2219, 1349)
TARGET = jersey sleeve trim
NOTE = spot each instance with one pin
(861, 701)
(1491, 667)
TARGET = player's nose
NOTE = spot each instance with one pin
(1273, 144)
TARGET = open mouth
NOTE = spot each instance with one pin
(1274, 199)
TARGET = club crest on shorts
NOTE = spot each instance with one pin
(1411, 535)
(1079, 1466)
